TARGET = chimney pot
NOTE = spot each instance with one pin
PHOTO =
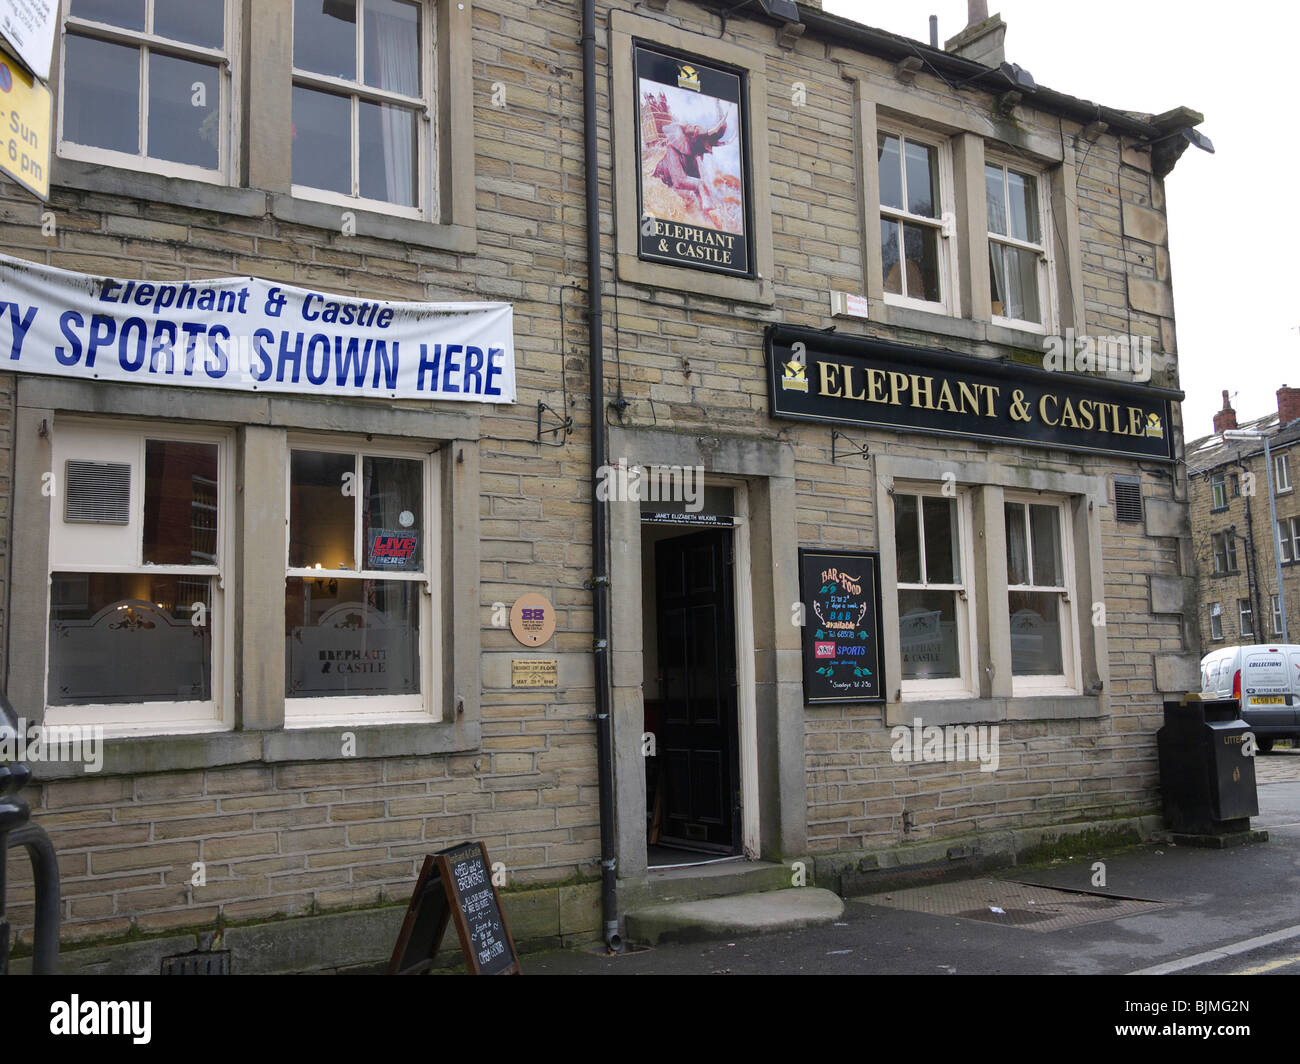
(1288, 405)
(1227, 417)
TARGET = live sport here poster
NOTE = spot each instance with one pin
(693, 188)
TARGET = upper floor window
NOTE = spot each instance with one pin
(1288, 538)
(1247, 617)
(915, 184)
(362, 104)
(1224, 547)
(1276, 604)
(1018, 248)
(1216, 620)
(146, 84)
(1281, 473)
(1219, 485)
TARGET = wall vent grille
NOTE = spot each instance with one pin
(97, 492)
(1128, 499)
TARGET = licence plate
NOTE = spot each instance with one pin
(1268, 700)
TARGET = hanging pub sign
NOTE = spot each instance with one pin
(842, 656)
(692, 154)
(246, 334)
(819, 376)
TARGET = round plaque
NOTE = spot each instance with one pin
(532, 619)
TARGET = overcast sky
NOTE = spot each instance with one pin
(1236, 298)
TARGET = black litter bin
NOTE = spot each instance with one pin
(1207, 781)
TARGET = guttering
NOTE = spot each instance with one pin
(599, 517)
(843, 31)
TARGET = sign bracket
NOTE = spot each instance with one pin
(860, 449)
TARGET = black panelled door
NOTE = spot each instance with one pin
(697, 659)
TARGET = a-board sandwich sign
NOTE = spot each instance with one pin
(456, 885)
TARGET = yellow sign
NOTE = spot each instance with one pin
(25, 129)
(534, 672)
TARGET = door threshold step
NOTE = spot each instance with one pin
(790, 909)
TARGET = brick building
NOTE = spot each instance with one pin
(762, 182)
(1237, 549)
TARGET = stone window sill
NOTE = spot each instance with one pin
(137, 755)
(994, 710)
(254, 203)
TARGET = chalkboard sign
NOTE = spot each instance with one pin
(842, 657)
(456, 884)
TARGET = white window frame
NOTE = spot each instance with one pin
(123, 438)
(1067, 681)
(967, 684)
(424, 708)
(1276, 605)
(1229, 553)
(227, 62)
(945, 224)
(1246, 617)
(1219, 488)
(1046, 261)
(1216, 621)
(1281, 474)
(424, 106)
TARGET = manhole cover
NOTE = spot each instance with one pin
(998, 901)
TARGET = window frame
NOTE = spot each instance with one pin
(1219, 492)
(425, 108)
(967, 684)
(229, 75)
(348, 710)
(1246, 618)
(1216, 621)
(1281, 474)
(944, 222)
(1046, 273)
(1229, 556)
(155, 717)
(1068, 680)
(1275, 603)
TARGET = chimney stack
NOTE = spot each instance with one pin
(1288, 405)
(982, 39)
(1227, 417)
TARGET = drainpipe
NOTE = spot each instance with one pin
(599, 517)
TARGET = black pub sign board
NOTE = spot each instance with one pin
(693, 206)
(854, 380)
(456, 885)
(842, 657)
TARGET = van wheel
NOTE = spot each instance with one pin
(1265, 745)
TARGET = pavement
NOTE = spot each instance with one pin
(1163, 908)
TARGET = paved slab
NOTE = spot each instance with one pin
(792, 909)
(1210, 900)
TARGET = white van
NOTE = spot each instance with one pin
(1266, 679)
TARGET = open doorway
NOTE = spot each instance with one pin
(693, 778)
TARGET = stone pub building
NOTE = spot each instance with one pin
(267, 513)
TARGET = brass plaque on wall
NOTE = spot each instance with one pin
(534, 672)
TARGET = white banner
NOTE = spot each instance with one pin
(246, 334)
